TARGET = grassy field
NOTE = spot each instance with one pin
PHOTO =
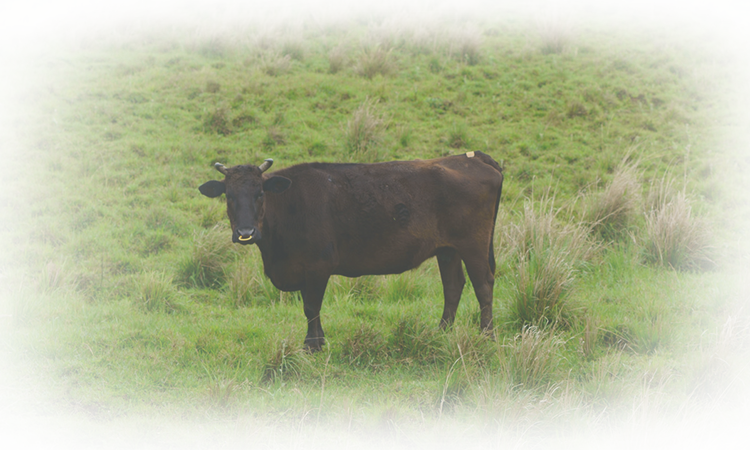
(617, 293)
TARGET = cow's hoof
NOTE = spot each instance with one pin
(314, 345)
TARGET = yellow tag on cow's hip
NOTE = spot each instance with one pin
(470, 154)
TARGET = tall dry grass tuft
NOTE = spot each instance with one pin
(709, 9)
(156, 292)
(247, 285)
(375, 61)
(364, 131)
(674, 237)
(652, 8)
(532, 358)
(337, 59)
(466, 45)
(212, 252)
(556, 23)
(715, 378)
(613, 210)
(547, 255)
(286, 361)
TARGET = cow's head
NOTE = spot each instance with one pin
(245, 187)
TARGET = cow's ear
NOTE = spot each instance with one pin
(212, 188)
(277, 184)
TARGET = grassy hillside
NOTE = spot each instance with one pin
(612, 292)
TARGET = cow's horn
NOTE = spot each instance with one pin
(265, 165)
(220, 167)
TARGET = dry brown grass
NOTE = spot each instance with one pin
(375, 61)
(337, 58)
(547, 255)
(364, 131)
(674, 238)
(556, 23)
(613, 210)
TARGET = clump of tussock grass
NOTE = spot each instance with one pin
(375, 61)
(461, 342)
(155, 292)
(458, 136)
(363, 347)
(673, 237)
(710, 9)
(547, 255)
(458, 10)
(556, 23)
(653, 8)
(337, 59)
(414, 341)
(716, 378)
(364, 131)
(329, 17)
(610, 212)
(465, 45)
(248, 434)
(211, 253)
(247, 284)
(275, 64)
(532, 358)
(287, 361)
(24, 306)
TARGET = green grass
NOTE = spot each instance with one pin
(136, 300)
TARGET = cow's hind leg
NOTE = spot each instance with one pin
(483, 278)
(312, 299)
(452, 275)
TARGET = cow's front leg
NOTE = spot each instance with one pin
(312, 299)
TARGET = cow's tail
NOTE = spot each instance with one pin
(487, 159)
(494, 224)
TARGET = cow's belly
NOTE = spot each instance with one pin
(384, 259)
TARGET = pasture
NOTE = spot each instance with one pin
(619, 294)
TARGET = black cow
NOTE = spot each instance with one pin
(311, 221)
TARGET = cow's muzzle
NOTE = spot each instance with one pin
(246, 236)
